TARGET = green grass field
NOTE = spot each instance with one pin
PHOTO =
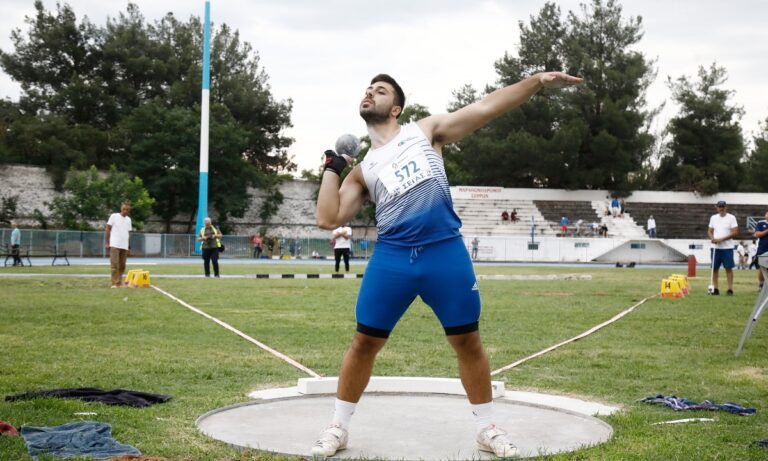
(75, 332)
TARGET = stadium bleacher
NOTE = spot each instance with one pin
(483, 218)
(673, 220)
(690, 220)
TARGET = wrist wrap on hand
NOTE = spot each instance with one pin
(334, 162)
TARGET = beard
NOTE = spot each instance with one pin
(372, 116)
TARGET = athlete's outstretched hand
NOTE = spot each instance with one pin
(558, 80)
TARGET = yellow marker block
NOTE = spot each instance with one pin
(684, 277)
(683, 282)
(131, 276)
(142, 279)
(671, 289)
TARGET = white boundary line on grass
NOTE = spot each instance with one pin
(575, 338)
(234, 330)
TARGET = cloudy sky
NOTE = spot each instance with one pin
(322, 53)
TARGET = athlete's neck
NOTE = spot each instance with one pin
(382, 133)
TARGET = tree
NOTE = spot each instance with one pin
(8, 208)
(706, 146)
(162, 148)
(85, 88)
(592, 137)
(757, 164)
(90, 197)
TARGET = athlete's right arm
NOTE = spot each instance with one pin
(337, 206)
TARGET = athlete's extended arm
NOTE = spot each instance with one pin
(337, 206)
(448, 128)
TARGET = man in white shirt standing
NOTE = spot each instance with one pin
(118, 242)
(721, 232)
(741, 256)
(342, 237)
(651, 227)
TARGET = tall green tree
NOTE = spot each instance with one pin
(91, 197)
(594, 136)
(757, 164)
(706, 148)
(86, 87)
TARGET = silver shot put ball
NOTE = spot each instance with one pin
(348, 144)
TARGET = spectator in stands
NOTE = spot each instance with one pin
(342, 235)
(117, 241)
(651, 227)
(504, 216)
(622, 208)
(615, 207)
(761, 233)
(564, 225)
(603, 232)
(579, 228)
(257, 241)
(594, 228)
(722, 229)
(16, 244)
(210, 245)
(475, 246)
(741, 256)
(513, 215)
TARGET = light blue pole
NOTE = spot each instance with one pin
(202, 195)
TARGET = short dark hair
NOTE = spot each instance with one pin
(399, 95)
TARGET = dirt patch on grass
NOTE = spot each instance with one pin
(759, 375)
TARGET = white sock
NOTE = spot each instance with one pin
(483, 414)
(342, 413)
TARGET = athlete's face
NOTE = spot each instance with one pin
(378, 103)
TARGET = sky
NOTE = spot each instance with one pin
(321, 54)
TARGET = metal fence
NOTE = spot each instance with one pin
(91, 244)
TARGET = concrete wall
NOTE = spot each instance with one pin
(557, 249)
(294, 219)
(31, 184)
(296, 216)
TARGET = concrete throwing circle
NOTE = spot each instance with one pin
(400, 427)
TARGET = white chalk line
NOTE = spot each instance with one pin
(575, 338)
(234, 330)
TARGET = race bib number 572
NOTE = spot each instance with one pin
(406, 173)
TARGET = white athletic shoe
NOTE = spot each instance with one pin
(494, 440)
(332, 439)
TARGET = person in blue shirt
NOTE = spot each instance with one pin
(761, 233)
(564, 225)
(16, 244)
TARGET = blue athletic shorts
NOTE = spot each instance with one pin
(441, 273)
(724, 257)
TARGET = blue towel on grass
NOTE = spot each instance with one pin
(82, 438)
(681, 403)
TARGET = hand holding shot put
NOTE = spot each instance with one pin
(420, 251)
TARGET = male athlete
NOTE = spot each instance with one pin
(420, 251)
